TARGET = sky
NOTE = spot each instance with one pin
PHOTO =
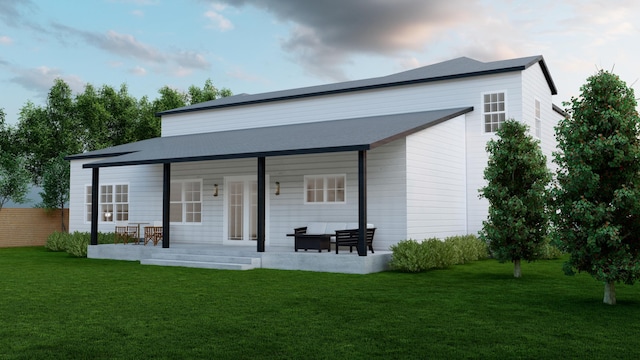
(254, 46)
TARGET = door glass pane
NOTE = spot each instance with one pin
(236, 209)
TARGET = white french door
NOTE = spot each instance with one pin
(241, 210)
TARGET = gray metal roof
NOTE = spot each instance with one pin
(452, 69)
(319, 137)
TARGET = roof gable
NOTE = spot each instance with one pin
(452, 69)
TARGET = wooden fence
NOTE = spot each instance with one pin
(28, 227)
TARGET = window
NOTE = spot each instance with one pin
(494, 111)
(186, 201)
(87, 203)
(325, 189)
(538, 120)
(113, 204)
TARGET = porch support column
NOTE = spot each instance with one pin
(95, 186)
(261, 205)
(166, 202)
(362, 203)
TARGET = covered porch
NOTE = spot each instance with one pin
(244, 258)
(358, 137)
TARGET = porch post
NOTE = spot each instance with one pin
(95, 187)
(261, 205)
(362, 203)
(166, 202)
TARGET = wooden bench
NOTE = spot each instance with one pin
(349, 237)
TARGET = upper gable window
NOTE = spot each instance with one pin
(494, 114)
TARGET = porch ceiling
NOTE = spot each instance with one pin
(319, 137)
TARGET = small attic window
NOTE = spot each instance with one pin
(494, 111)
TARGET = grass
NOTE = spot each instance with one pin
(53, 306)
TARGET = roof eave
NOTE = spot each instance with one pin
(102, 164)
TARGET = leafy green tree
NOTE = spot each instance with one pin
(208, 92)
(517, 176)
(14, 178)
(598, 186)
(46, 132)
(55, 184)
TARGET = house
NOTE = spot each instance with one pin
(405, 152)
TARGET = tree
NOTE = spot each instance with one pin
(598, 186)
(517, 176)
(208, 92)
(46, 132)
(14, 178)
(55, 184)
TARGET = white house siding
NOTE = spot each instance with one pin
(436, 180)
(145, 193)
(386, 192)
(476, 140)
(411, 98)
(534, 86)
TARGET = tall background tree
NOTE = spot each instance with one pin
(94, 119)
(517, 176)
(14, 178)
(598, 183)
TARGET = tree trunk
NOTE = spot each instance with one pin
(517, 272)
(64, 229)
(609, 293)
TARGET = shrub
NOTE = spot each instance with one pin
(78, 243)
(57, 241)
(471, 248)
(433, 253)
(548, 251)
(407, 256)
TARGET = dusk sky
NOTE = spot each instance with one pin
(253, 46)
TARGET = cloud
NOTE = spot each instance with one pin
(138, 13)
(5, 40)
(41, 79)
(128, 46)
(218, 21)
(139, 71)
(326, 34)
(12, 13)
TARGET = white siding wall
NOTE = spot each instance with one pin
(436, 180)
(535, 86)
(476, 160)
(145, 192)
(421, 97)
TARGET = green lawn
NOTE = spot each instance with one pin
(58, 307)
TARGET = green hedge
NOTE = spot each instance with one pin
(75, 243)
(413, 256)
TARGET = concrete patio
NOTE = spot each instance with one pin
(244, 258)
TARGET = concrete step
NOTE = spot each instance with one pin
(207, 258)
(204, 261)
(198, 264)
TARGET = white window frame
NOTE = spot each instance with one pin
(113, 205)
(87, 203)
(497, 112)
(184, 208)
(325, 189)
(537, 117)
